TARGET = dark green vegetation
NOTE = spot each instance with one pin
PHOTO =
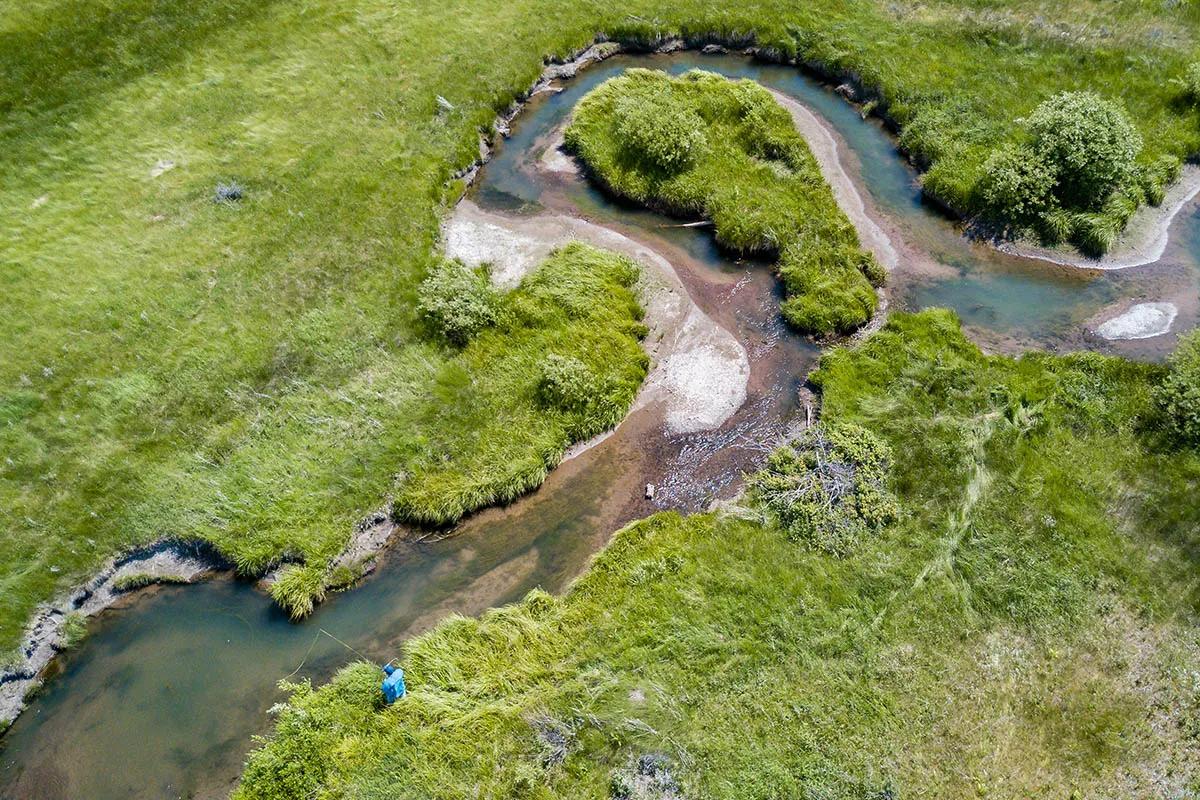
(1077, 177)
(241, 371)
(1179, 394)
(1025, 628)
(459, 301)
(702, 145)
(139, 580)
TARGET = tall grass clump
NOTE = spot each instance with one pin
(74, 630)
(298, 588)
(703, 145)
(664, 135)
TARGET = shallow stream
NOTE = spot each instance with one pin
(163, 698)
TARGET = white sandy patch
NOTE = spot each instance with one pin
(699, 370)
(702, 384)
(1142, 321)
(474, 239)
(162, 166)
(555, 159)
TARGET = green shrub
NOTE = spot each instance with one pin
(566, 383)
(1018, 183)
(1191, 81)
(661, 132)
(828, 486)
(1179, 393)
(1090, 143)
(458, 301)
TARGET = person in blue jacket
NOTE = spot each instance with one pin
(393, 683)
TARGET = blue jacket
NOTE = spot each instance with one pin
(393, 685)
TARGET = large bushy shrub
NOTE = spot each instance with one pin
(459, 301)
(1179, 393)
(828, 486)
(1088, 141)
(660, 131)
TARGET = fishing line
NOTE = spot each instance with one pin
(307, 653)
(343, 644)
(313, 644)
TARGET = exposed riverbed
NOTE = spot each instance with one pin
(163, 698)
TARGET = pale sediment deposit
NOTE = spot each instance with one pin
(699, 370)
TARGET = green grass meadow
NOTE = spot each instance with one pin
(1026, 628)
(246, 372)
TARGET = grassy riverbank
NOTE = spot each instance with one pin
(704, 146)
(1025, 628)
(241, 371)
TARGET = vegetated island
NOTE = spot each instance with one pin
(704, 146)
(973, 576)
(551, 363)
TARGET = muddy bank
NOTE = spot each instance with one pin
(48, 634)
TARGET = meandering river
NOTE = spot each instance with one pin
(163, 698)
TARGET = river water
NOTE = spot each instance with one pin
(163, 699)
